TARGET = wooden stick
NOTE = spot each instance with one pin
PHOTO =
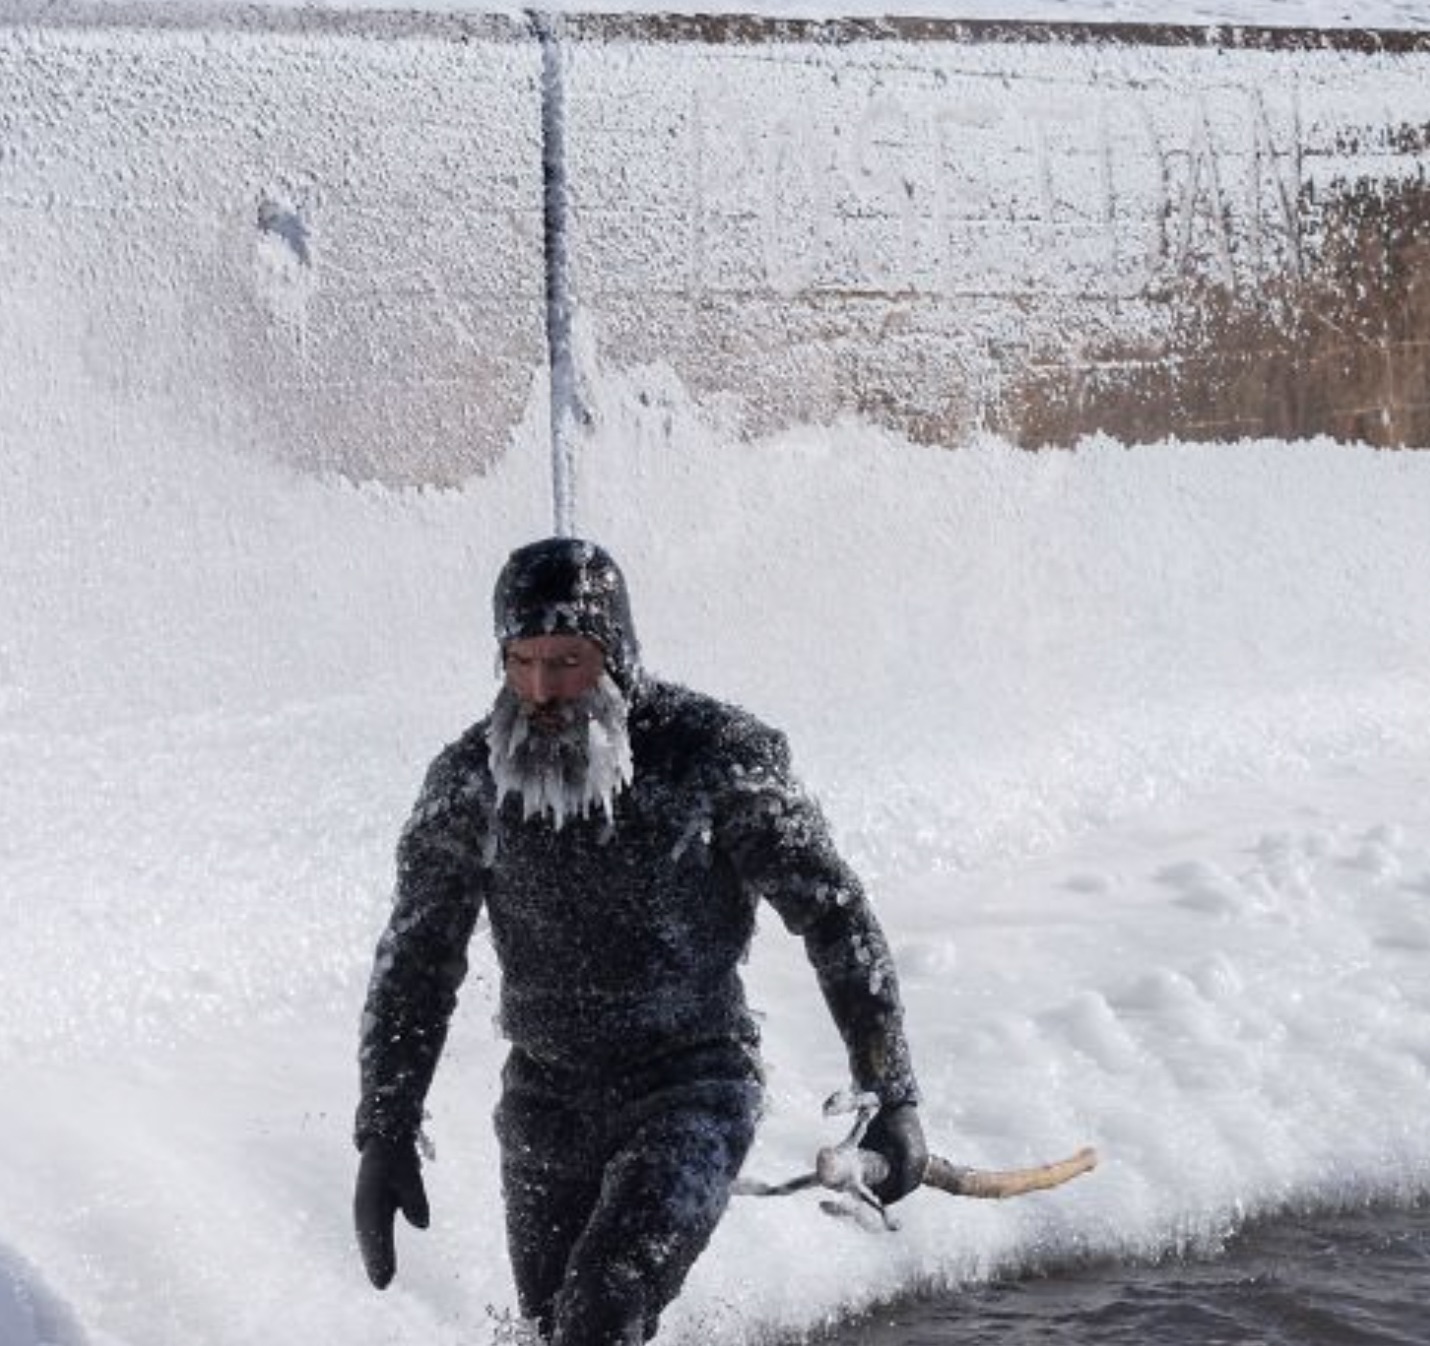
(846, 1169)
(999, 1183)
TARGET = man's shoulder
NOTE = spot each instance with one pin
(702, 725)
(461, 768)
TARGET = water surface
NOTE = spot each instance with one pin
(1353, 1278)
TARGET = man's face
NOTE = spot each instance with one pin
(558, 735)
(549, 673)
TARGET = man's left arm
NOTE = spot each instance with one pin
(779, 841)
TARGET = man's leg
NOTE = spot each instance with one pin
(546, 1211)
(664, 1190)
(551, 1180)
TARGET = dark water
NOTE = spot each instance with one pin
(1348, 1279)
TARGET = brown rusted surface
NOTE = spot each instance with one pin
(1341, 350)
(735, 29)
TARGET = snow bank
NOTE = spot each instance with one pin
(1130, 743)
(989, 642)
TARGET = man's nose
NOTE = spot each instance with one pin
(538, 685)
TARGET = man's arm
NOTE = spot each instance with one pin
(782, 850)
(780, 844)
(421, 958)
(421, 961)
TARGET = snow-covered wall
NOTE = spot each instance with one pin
(318, 239)
(318, 234)
(1046, 229)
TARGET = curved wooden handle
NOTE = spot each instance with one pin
(997, 1184)
(848, 1169)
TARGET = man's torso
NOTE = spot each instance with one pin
(621, 941)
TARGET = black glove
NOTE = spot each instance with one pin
(897, 1134)
(389, 1179)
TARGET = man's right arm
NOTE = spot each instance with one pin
(422, 956)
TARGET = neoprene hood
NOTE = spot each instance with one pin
(564, 586)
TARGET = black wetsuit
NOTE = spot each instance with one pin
(632, 1088)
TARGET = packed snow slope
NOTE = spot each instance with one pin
(1132, 745)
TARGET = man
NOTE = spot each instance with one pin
(620, 831)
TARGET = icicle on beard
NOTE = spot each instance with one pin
(566, 772)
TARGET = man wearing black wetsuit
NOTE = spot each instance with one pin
(621, 832)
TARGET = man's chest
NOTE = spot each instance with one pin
(649, 884)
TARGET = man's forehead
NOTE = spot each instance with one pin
(554, 647)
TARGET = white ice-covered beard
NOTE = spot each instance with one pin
(567, 771)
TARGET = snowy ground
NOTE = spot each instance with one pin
(1132, 744)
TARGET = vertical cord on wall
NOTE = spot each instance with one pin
(566, 413)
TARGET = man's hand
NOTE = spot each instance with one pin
(897, 1134)
(389, 1179)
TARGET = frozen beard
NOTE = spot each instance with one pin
(567, 770)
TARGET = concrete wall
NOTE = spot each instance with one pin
(322, 238)
(321, 232)
(1046, 230)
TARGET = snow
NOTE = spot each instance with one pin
(1131, 745)
(1395, 14)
